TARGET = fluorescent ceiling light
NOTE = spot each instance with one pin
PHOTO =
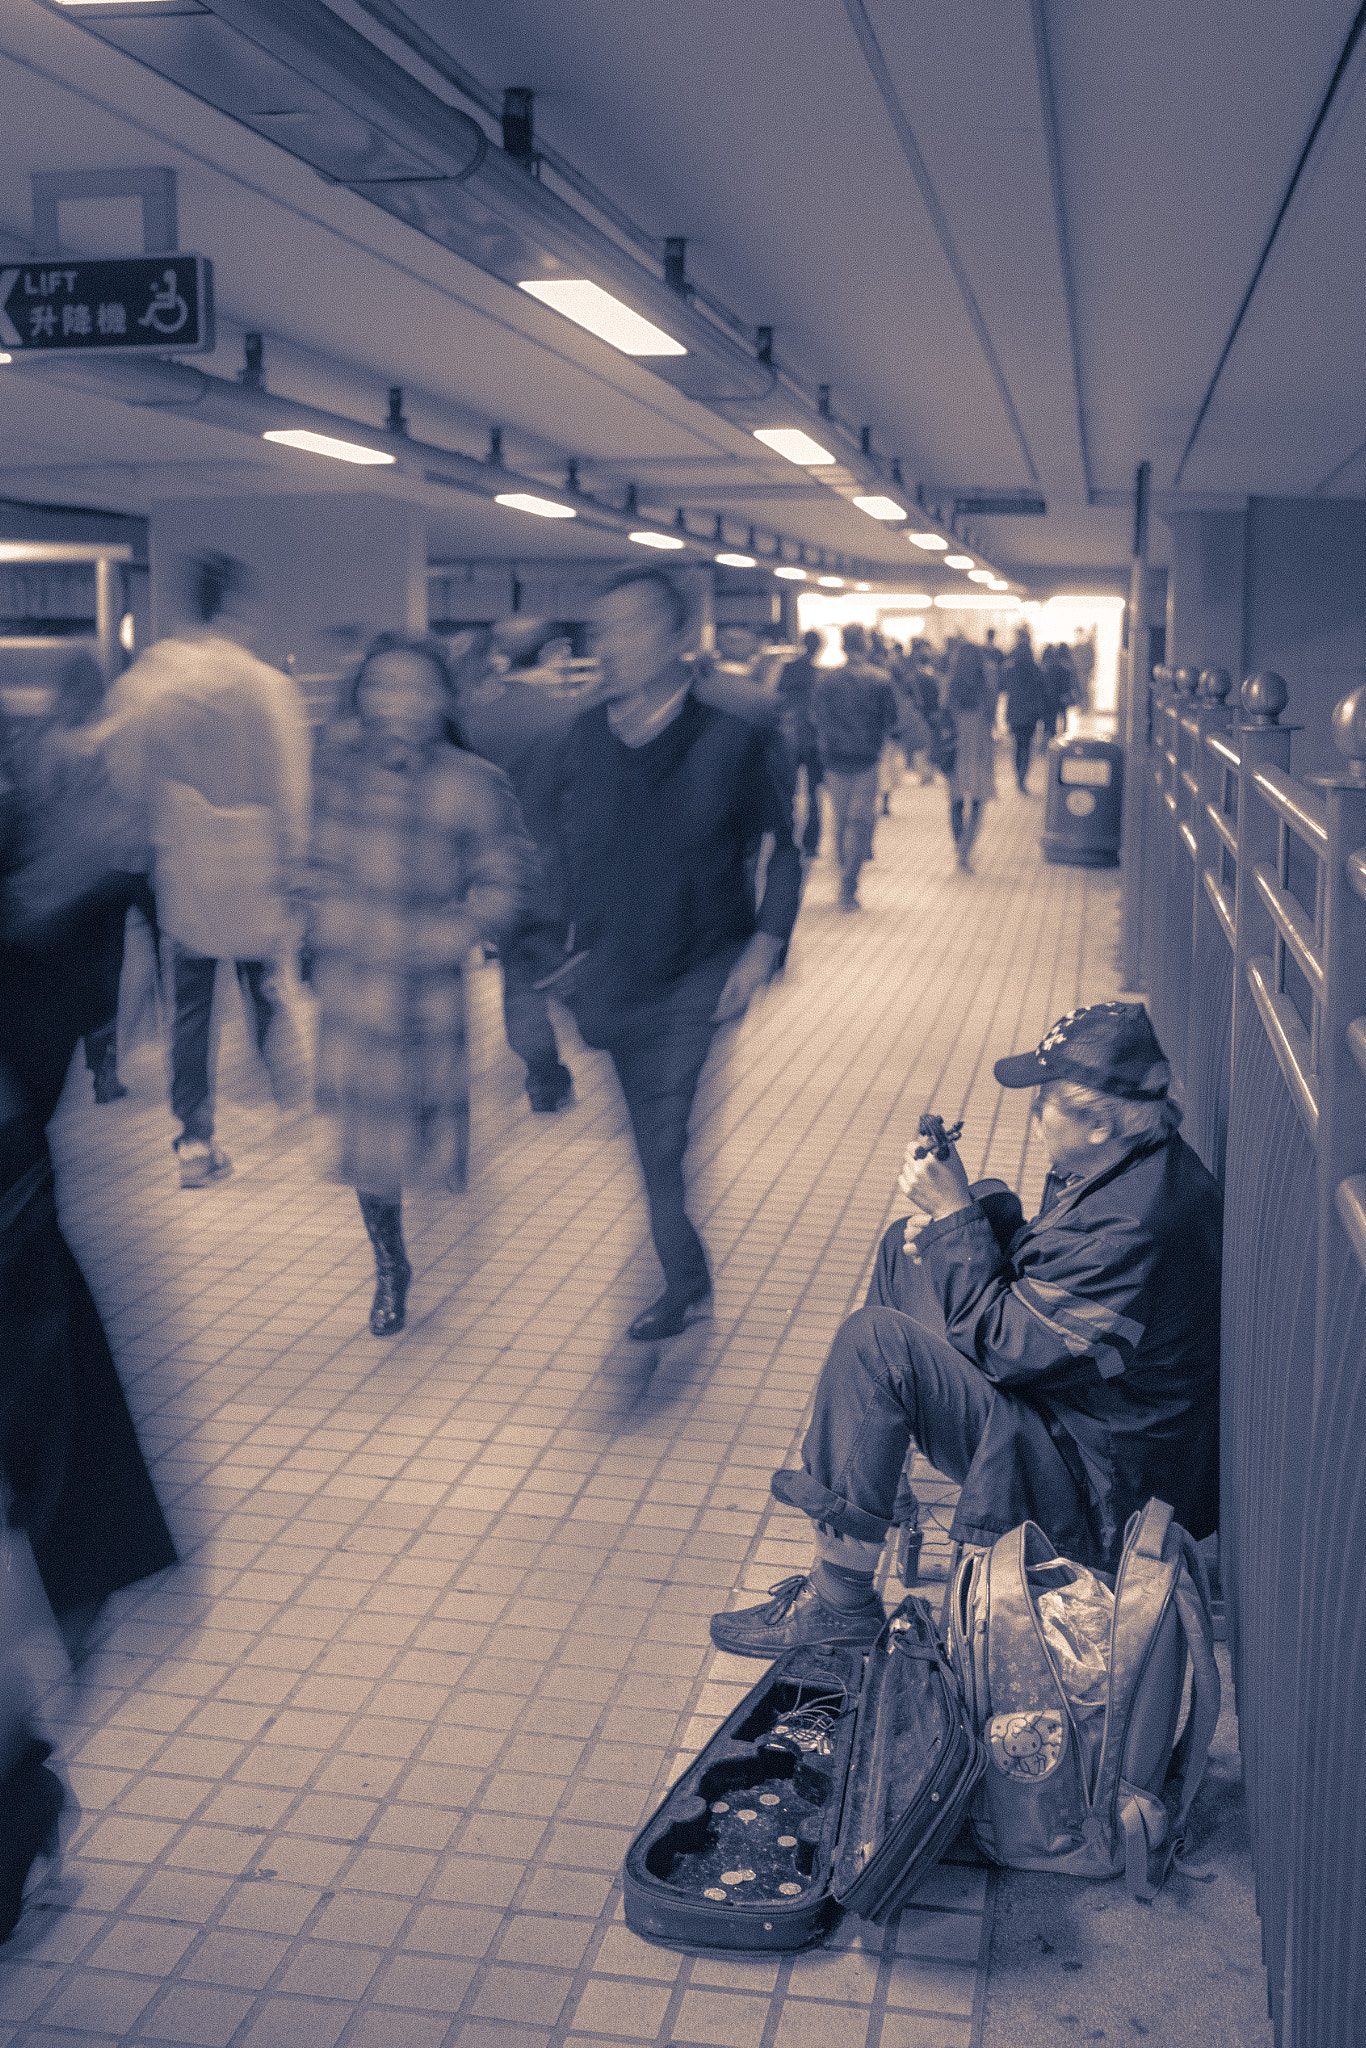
(791, 575)
(933, 543)
(998, 583)
(736, 561)
(544, 508)
(976, 602)
(981, 576)
(831, 582)
(324, 444)
(792, 443)
(656, 540)
(863, 586)
(5, 358)
(588, 305)
(880, 508)
(958, 561)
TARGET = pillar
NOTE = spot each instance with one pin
(328, 572)
(1205, 592)
(1304, 611)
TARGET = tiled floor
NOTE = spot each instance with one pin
(363, 1769)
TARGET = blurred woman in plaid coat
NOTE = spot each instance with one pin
(419, 853)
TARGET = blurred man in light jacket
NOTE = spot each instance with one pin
(213, 745)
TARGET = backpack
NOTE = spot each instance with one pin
(1065, 1789)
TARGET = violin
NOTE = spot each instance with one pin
(938, 1140)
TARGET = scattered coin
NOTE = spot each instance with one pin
(713, 1891)
(787, 1891)
(737, 1877)
(787, 1841)
(746, 1814)
(719, 1806)
(768, 1799)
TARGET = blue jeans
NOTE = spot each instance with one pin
(892, 1378)
(193, 979)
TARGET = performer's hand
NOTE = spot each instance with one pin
(936, 1187)
(754, 968)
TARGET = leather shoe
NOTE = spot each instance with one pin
(795, 1617)
(670, 1316)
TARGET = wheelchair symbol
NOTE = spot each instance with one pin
(168, 312)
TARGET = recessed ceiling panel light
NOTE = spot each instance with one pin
(588, 305)
(958, 561)
(645, 539)
(544, 508)
(736, 561)
(791, 575)
(980, 576)
(933, 543)
(831, 582)
(326, 444)
(998, 583)
(863, 586)
(880, 508)
(792, 443)
(4, 358)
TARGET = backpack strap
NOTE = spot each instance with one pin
(1142, 1817)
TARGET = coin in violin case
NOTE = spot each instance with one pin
(837, 1784)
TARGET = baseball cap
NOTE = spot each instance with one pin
(1111, 1047)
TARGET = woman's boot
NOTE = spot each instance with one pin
(971, 820)
(384, 1222)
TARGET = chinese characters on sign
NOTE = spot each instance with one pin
(125, 302)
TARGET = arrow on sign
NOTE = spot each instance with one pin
(9, 333)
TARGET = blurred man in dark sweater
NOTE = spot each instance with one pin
(666, 800)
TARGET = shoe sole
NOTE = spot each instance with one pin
(768, 1651)
(207, 1179)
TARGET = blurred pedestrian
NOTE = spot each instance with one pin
(79, 1519)
(1059, 680)
(419, 853)
(795, 687)
(214, 746)
(513, 711)
(973, 780)
(1024, 703)
(854, 710)
(668, 799)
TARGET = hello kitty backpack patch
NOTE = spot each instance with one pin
(1075, 1682)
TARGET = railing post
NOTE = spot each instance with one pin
(1262, 742)
(1342, 1082)
(1207, 1012)
(1135, 852)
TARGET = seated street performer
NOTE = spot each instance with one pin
(1063, 1371)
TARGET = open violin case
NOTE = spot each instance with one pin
(836, 1784)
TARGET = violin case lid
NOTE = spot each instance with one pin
(836, 1783)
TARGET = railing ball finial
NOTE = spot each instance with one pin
(1265, 697)
(1162, 676)
(1349, 732)
(1186, 681)
(1215, 684)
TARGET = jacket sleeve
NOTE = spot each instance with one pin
(1068, 1312)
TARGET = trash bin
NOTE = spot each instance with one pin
(1081, 826)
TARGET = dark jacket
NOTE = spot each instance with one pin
(1024, 690)
(796, 686)
(854, 710)
(659, 838)
(1102, 1316)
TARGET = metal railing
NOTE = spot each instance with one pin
(1248, 908)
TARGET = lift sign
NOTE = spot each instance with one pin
(128, 303)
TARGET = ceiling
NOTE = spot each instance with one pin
(1012, 238)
